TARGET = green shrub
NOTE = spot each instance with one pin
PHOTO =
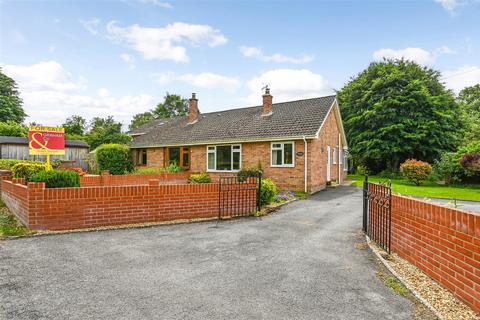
(268, 191)
(13, 129)
(415, 171)
(173, 167)
(199, 178)
(7, 164)
(115, 158)
(448, 169)
(248, 172)
(57, 179)
(361, 169)
(25, 169)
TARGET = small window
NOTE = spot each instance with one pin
(224, 158)
(334, 155)
(179, 156)
(282, 154)
(142, 157)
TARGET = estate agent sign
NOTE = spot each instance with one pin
(46, 140)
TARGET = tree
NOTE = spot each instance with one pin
(172, 106)
(469, 100)
(140, 119)
(13, 129)
(396, 110)
(10, 101)
(105, 130)
(75, 125)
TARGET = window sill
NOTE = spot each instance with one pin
(283, 166)
(225, 171)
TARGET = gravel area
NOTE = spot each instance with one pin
(444, 302)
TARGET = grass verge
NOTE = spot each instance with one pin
(9, 226)
(428, 189)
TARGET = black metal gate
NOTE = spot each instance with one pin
(377, 212)
(238, 198)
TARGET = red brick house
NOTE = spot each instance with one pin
(301, 144)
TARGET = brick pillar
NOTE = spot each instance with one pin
(105, 178)
(35, 198)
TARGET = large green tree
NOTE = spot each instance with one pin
(173, 105)
(10, 101)
(469, 100)
(140, 119)
(13, 129)
(395, 110)
(105, 130)
(75, 125)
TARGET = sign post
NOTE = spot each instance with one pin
(46, 141)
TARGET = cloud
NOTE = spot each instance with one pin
(167, 43)
(254, 52)
(91, 25)
(418, 55)
(51, 94)
(462, 77)
(129, 60)
(449, 5)
(206, 80)
(162, 4)
(288, 84)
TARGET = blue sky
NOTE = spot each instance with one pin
(99, 58)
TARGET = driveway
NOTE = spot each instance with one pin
(299, 263)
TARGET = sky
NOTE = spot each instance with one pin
(119, 58)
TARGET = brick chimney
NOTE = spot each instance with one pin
(193, 109)
(267, 102)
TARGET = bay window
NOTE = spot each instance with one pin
(224, 158)
(282, 154)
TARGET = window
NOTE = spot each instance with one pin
(282, 154)
(179, 156)
(345, 160)
(141, 157)
(224, 158)
(334, 155)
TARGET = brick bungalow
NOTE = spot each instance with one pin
(300, 144)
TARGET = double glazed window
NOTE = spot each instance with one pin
(179, 156)
(334, 155)
(224, 158)
(345, 159)
(282, 154)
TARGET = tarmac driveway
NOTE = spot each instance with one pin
(299, 263)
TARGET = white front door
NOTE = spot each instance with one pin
(328, 163)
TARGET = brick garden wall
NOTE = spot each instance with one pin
(443, 242)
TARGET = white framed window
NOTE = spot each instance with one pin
(334, 155)
(224, 158)
(282, 154)
(345, 160)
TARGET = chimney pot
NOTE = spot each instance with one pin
(193, 109)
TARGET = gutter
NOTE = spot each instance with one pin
(305, 164)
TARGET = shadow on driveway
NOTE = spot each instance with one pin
(299, 263)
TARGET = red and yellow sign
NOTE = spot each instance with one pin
(46, 140)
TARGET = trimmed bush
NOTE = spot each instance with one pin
(149, 170)
(247, 173)
(268, 191)
(57, 179)
(115, 158)
(199, 178)
(25, 169)
(7, 164)
(415, 171)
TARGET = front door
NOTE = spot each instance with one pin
(328, 163)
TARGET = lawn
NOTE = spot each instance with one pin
(9, 226)
(428, 189)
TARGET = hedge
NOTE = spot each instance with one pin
(115, 158)
(25, 169)
(57, 179)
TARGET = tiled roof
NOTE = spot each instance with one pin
(289, 119)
